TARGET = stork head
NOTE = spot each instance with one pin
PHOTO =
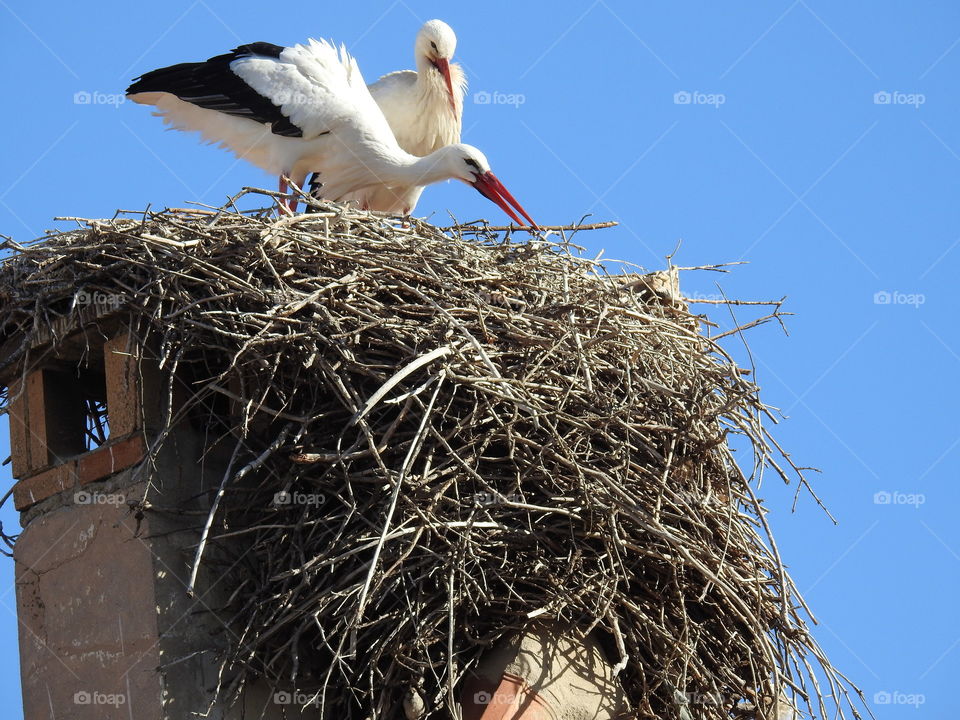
(435, 46)
(469, 165)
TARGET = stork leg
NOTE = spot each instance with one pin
(283, 188)
(299, 182)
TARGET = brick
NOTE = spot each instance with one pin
(110, 459)
(36, 428)
(33, 489)
(123, 392)
(19, 445)
(46, 421)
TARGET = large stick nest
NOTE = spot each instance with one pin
(437, 439)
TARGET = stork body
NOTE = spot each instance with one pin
(424, 108)
(305, 108)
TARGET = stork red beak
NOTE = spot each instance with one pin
(443, 65)
(493, 190)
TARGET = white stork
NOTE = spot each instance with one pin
(424, 108)
(302, 109)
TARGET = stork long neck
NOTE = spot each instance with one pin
(404, 169)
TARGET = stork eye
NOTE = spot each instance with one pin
(472, 163)
(433, 45)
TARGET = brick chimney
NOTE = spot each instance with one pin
(107, 628)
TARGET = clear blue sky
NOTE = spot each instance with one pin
(784, 156)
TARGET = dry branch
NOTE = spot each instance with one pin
(483, 433)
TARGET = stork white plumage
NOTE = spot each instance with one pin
(424, 108)
(302, 109)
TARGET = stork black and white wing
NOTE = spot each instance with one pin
(213, 85)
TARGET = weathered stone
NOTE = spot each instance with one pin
(88, 639)
(110, 459)
(123, 394)
(33, 489)
(546, 673)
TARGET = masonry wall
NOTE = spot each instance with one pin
(107, 627)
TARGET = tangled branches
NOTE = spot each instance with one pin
(436, 438)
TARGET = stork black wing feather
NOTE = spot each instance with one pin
(214, 86)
